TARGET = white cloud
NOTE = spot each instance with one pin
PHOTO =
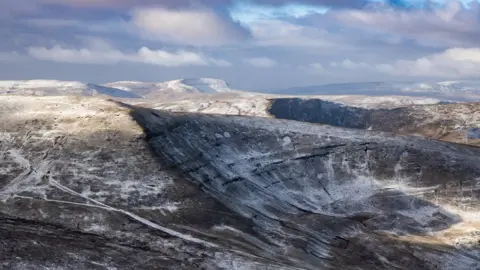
(99, 52)
(315, 69)
(261, 62)
(349, 64)
(219, 62)
(284, 34)
(200, 27)
(452, 63)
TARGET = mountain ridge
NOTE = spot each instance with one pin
(463, 90)
(120, 89)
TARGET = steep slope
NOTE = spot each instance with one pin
(173, 88)
(449, 122)
(63, 88)
(451, 90)
(80, 189)
(330, 197)
(190, 191)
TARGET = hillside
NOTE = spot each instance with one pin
(62, 88)
(122, 89)
(110, 185)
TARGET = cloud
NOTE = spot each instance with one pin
(452, 24)
(327, 3)
(345, 40)
(452, 63)
(287, 34)
(316, 68)
(188, 3)
(260, 62)
(455, 63)
(101, 53)
(349, 64)
(195, 27)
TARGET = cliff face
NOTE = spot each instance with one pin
(92, 184)
(447, 122)
(320, 111)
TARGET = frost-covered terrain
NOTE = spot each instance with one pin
(175, 87)
(189, 90)
(87, 183)
(258, 104)
(448, 122)
(64, 88)
(123, 89)
(81, 189)
(212, 96)
(454, 90)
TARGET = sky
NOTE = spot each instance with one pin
(252, 44)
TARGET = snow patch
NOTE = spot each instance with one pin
(286, 141)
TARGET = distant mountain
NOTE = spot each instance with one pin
(182, 86)
(121, 89)
(363, 94)
(452, 90)
(60, 88)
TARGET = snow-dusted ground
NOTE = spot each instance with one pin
(143, 188)
(76, 168)
(376, 102)
(63, 88)
(357, 95)
(295, 180)
(255, 104)
(122, 89)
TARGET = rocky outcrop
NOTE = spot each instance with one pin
(320, 111)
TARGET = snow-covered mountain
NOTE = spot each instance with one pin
(122, 89)
(366, 95)
(457, 90)
(182, 86)
(55, 88)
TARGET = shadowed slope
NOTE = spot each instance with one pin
(326, 195)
